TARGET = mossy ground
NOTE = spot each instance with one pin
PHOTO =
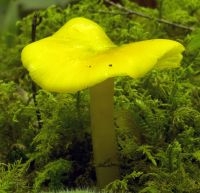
(73, 191)
(157, 118)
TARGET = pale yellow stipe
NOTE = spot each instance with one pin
(81, 55)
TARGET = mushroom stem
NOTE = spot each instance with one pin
(103, 132)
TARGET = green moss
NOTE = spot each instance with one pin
(73, 191)
(157, 118)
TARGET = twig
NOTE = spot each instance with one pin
(78, 108)
(149, 17)
(35, 22)
(37, 19)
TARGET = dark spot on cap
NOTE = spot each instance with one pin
(110, 65)
(90, 66)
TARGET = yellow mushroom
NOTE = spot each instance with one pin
(80, 55)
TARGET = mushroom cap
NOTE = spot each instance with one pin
(80, 55)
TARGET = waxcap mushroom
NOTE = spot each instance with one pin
(80, 55)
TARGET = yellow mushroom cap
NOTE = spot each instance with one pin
(80, 55)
